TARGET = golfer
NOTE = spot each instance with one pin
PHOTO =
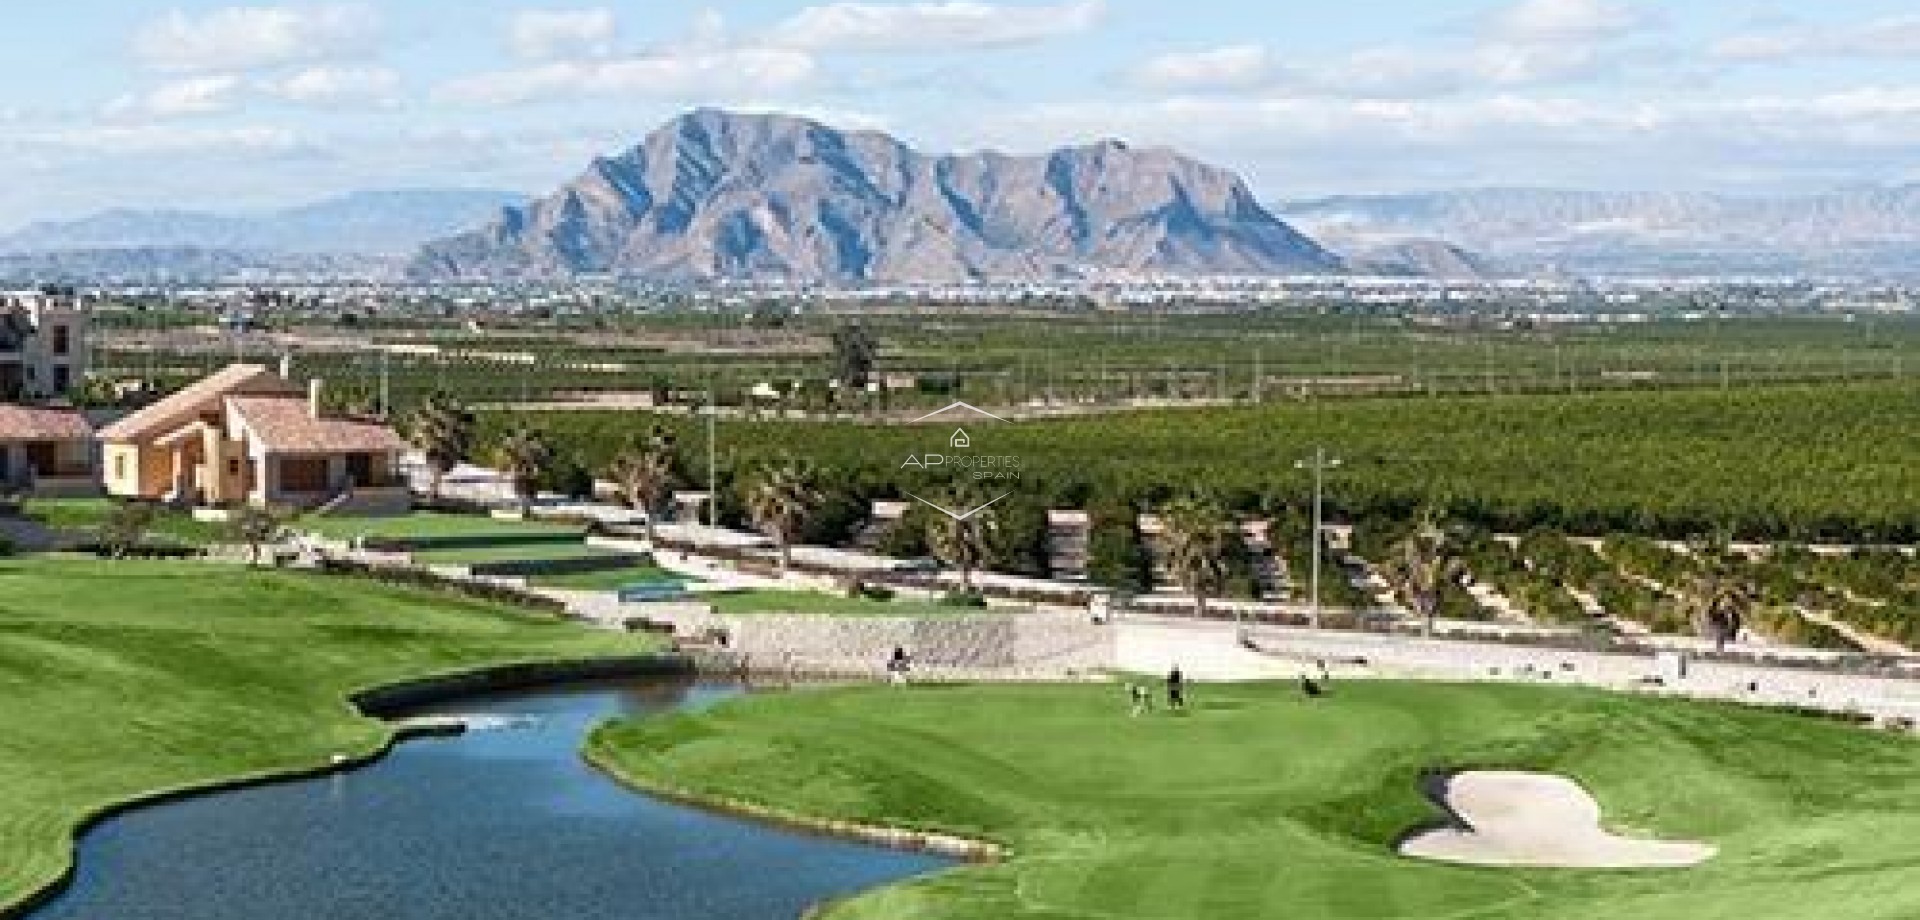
(1176, 689)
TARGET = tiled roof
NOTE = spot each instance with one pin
(20, 423)
(285, 425)
(179, 409)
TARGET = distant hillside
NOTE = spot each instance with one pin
(719, 195)
(183, 264)
(364, 223)
(1856, 231)
(1414, 258)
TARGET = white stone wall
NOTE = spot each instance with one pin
(998, 645)
(1399, 655)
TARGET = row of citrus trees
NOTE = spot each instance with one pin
(1429, 559)
(1812, 464)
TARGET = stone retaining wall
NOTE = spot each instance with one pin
(971, 645)
(1746, 683)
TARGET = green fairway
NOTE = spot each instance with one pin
(1259, 804)
(122, 679)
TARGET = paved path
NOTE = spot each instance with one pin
(28, 536)
(1211, 651)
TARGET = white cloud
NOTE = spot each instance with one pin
(542, 35)
(1532, 22)
(240, 38)
(124, 140)
(332, 86)
(956, 24)
(699, 74)
(1403, 74)
(1893, 36)
(1528, 44)
(1297, 145)
(1376, 73)
(709, 29)
(205, 95)
(1235, 67)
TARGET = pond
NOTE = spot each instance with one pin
(503, 823)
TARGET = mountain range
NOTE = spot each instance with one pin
(721, 195)
(377, 223)
(1856, 231)
(717, 195)
(185, 265)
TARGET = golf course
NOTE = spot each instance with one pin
(124, 680)
(1259, 803)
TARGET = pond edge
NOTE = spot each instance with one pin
(373, 703)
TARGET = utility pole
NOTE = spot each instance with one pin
(386, 384)
(713, 468)
(1320, 464)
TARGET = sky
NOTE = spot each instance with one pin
(209, 105)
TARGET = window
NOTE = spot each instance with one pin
(62, 340)
(62, 379)
(120, 466)
(233, 466)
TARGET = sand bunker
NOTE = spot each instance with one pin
(1536, 820)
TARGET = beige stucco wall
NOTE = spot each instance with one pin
(133, 471)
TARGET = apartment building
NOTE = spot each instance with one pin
(43, 353)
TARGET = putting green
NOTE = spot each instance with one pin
(1259, 804)
(118, 680)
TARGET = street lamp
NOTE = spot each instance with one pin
(1320, 464)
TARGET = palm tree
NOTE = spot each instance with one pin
(1717, 597)
(443, 430)
(645, 474)
(780, 501)
(1426, 564)
(1198, 542)
(525, 456)
(255, 527)
(960, 542)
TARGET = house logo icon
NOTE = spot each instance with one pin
(960, 439)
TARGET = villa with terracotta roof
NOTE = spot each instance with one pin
(247, 435)
(46, 452)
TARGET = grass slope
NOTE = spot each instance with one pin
(88, 515)
(1262, 805)
(122, 679)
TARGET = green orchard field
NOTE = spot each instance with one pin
(1832, 462)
